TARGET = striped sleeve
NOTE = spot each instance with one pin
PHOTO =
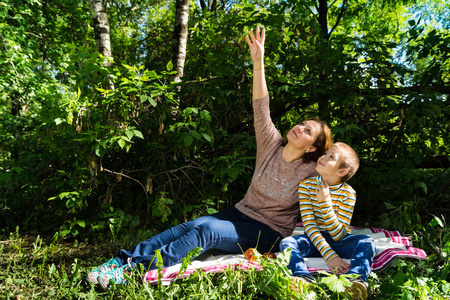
(309, 209)
(337, 218)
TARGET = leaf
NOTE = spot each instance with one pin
(121, 143)
(6, 177)
(389, 206)
(446, 250)
(407, 296)
(144, 98)
(65, 232)
(387, 288)
(159, 259)
(81, 223)
(234, 173)
(211, 211)
(336, 284)
(135, 222)
(205, 115)
(188, 140)
(138, 134)
(169, 66)
(129, 134)
(436, 221)
(284, 257)
(207, 137)
(422, 186)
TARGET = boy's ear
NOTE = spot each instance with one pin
(342, 172)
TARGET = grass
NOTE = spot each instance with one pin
(51, 268)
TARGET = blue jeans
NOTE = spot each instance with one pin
(360, 249)
(229, 230)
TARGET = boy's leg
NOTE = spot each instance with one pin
(362, 258)
(301, 246)
(360, 249)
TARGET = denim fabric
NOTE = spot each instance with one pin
(360, 249)
(228, 230)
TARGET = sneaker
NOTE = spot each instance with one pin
(106, 267)
(116, 275)
(359, 289)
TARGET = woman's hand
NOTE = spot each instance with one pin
(256, 45)
(338, 265)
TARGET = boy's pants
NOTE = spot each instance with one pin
(228, 230)
(360, 249)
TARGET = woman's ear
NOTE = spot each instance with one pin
(342, 172)
(311, 149)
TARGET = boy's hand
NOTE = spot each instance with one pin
(323, 191)
(338, 265)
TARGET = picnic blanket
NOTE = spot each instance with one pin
(390, 245)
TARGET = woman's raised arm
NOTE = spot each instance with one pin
(256, 44)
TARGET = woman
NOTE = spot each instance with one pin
(267, 213)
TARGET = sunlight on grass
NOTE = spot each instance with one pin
(41, 268)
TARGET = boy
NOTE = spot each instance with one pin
(326, 208)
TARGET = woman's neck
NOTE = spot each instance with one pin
(291, 154)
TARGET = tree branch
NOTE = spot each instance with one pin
(311, 9)
(385, 129)
(341, 13)
(126, 176)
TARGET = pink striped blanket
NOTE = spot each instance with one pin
(390, 245)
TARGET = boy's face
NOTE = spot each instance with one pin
(328, 164)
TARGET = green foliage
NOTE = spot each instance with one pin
(71, 140)
(52, 269)
(81, 160)
(425, 279)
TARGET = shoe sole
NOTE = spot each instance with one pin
(89, 280)
(358, 291)
(102, 285)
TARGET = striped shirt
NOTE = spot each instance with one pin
(320, 216)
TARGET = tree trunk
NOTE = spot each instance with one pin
(180, 34)
(323, 17)
(101, 30)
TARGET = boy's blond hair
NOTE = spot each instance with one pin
(349, 160)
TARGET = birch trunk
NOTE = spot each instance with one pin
(101, 30)
(180, 37)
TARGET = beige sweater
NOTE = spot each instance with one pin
(272, 195)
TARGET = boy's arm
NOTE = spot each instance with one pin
(337, 223)
(312, 230)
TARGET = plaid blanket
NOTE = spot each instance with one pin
(390, 245)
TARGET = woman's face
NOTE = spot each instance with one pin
(304, 135)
